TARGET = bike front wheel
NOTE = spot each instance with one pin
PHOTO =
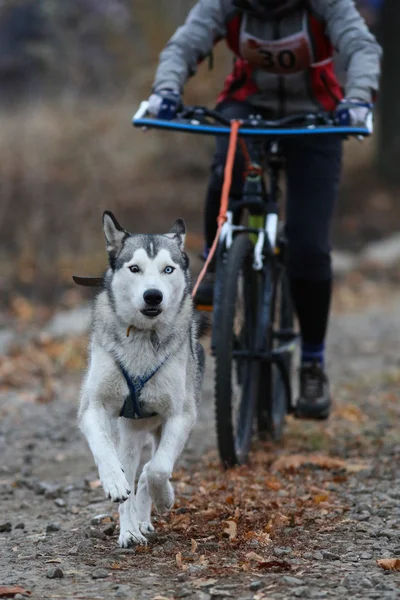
(237, 369)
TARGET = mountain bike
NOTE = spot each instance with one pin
(254, 336)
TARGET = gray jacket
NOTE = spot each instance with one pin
(285, 64)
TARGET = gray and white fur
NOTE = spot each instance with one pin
(146, 288)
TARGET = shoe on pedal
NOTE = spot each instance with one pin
(204, 294)
(314, 401)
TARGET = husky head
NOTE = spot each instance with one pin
(148, 279)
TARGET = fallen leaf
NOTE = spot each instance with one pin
(54, 560)
(194, 545)
(273, 484)
(275, 521)
(254, 556)
(10, 592)
(320, 498)
(350, 412)
(295, 461)
(356, 467)
(179, 562)
(231, 529)
(389, 564)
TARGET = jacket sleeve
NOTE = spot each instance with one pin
(358, 48)
(204, 26)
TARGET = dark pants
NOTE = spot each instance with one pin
(313, 169)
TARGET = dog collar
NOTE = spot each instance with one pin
(131, 407)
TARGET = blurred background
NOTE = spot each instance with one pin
(71, 76)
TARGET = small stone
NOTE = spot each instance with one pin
(301, 592)
(55, 573)
(59, 502)
(256, 585)
(99, 574)
(365, 555)
(103, 519)
(281, 551)
(195, 569)
(362, 517)
(84, 546)
(19, 597)
(330, 555)
(292, 580)
(20, 526)
(364, 507)
(91, 532)
(24, 505)
(365, 583)
(318, 555)
(52, 527)
(184, 593)
(49, 490)
(109, 529)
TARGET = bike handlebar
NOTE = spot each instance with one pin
(196, 119)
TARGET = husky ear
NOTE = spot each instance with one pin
(178, 233)
(114, 234)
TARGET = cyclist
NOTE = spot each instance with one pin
(284, 53)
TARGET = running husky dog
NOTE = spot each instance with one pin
(145, 372)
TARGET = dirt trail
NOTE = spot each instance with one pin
(309, 526)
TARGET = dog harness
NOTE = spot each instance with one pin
(131, 408)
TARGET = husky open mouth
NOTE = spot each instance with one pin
(151, 312)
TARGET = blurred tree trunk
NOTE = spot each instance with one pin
(389, 139)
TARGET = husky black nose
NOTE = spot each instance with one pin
(153, 297)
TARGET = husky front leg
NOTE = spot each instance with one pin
(129, 451)
(95, 424)
(143, 498)
(174, 435)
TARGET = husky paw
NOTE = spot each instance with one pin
(146, 527)
(161, 492)
(115, 485)
(129, 538)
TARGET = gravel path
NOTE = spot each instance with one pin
(327, 522)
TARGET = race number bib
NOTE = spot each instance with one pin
(286, 56)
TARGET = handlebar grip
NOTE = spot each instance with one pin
(142, 110)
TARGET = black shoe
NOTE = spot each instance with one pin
(204, 295)
(314, 401)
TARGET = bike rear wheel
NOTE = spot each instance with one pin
(274, 396)
(236, 374)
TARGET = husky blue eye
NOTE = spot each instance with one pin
(169, 270)
(134, 269)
